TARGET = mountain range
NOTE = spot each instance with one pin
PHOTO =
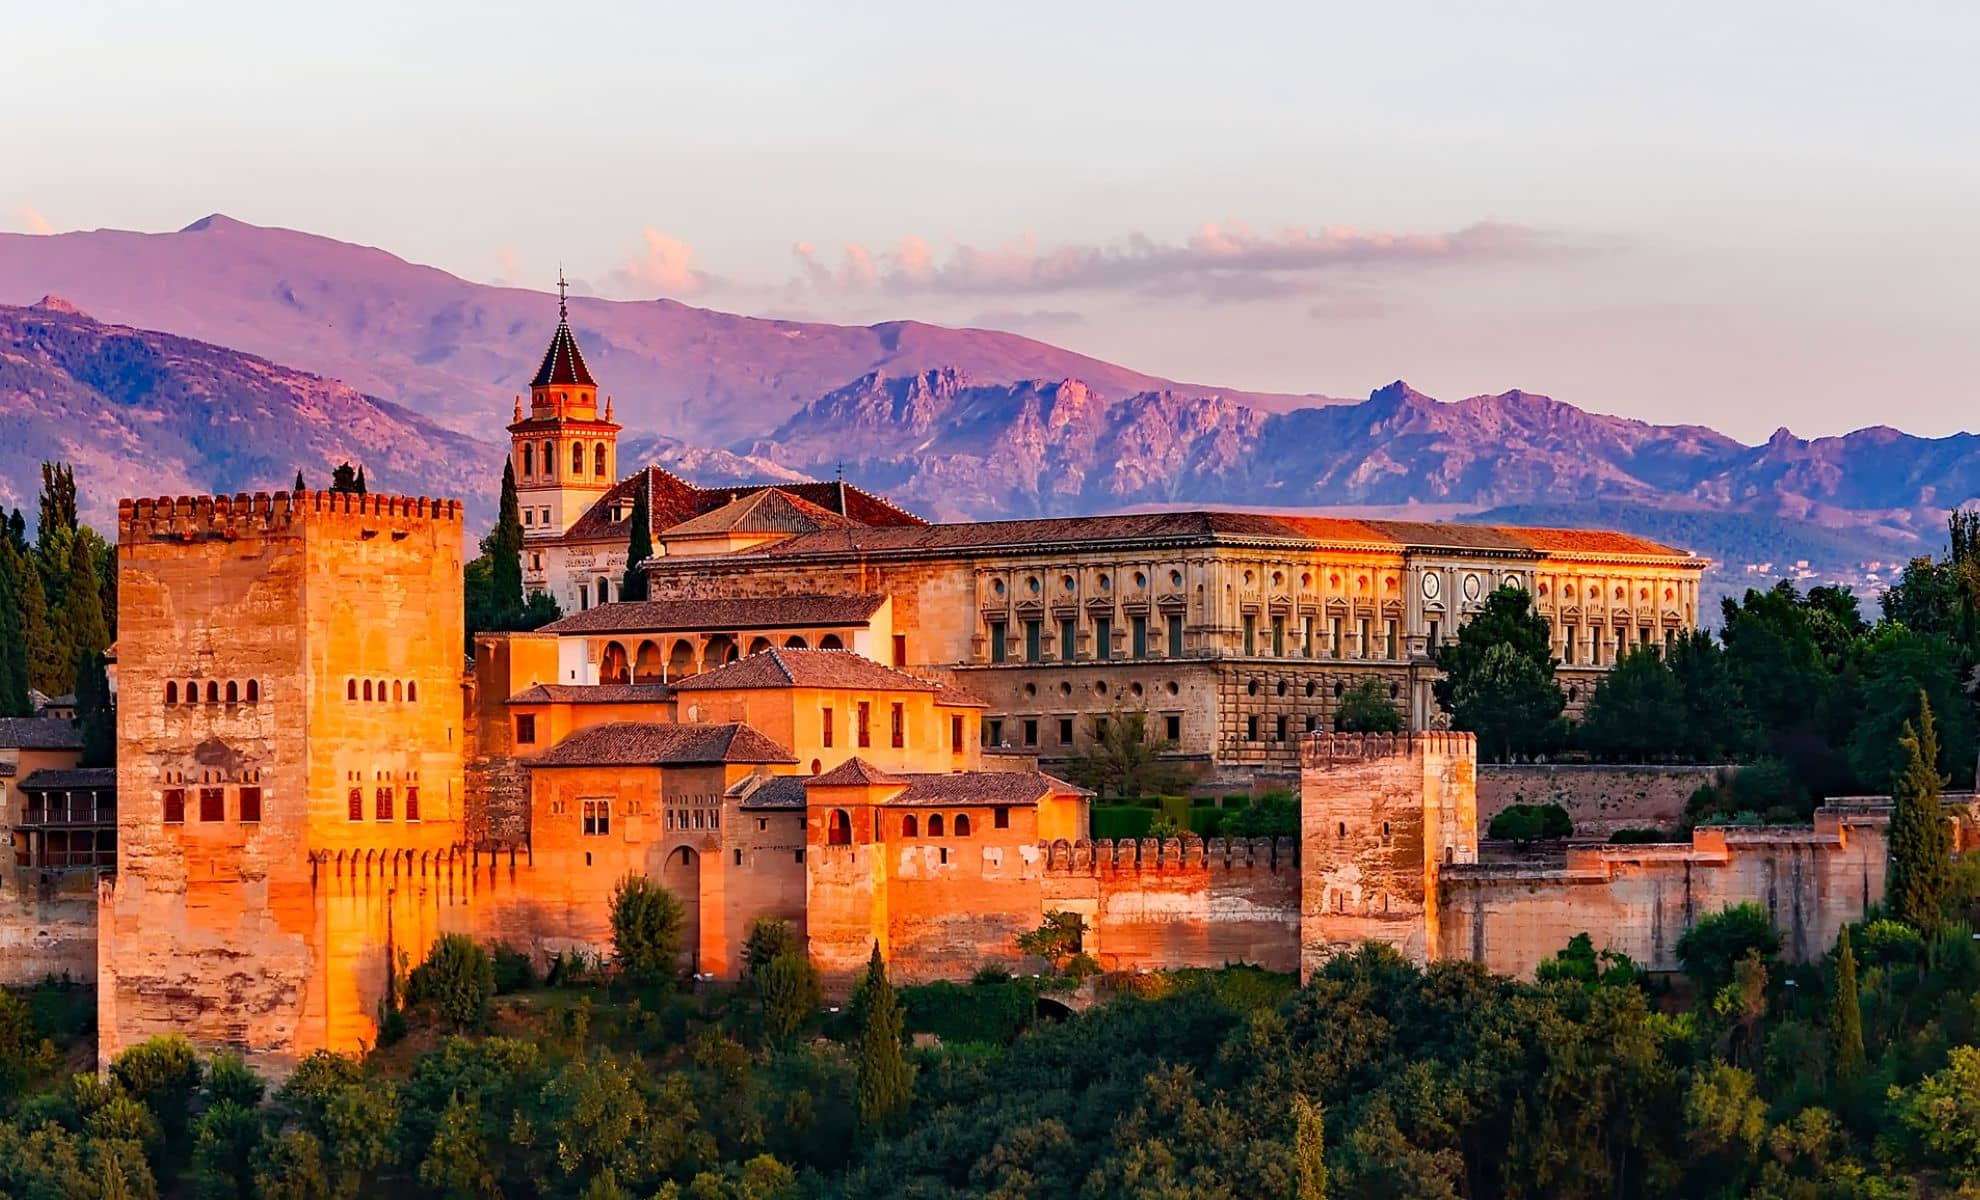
(953, 423)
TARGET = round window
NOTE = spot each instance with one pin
(1433, 585)
(1172, 688)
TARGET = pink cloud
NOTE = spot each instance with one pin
(1218, 262)
(664, 266)
(33, 221)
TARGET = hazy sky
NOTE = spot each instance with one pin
(1748, 215)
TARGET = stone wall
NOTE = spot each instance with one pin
(47, 927)
(1600, 799)
(1180, 902)
(1640, 900)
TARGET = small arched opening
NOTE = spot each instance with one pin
(681, 875)
(721, 649)
(839, 828)
(1048, 1009)
(759, 645)
(962, 825)
(171, 691)
(254, 691)
(794, 642)
(647, 666)
(612, 664)
(598, 460)
(233, 692)
(212, 691)
(935, 825)
(831, 642)
(910, 827)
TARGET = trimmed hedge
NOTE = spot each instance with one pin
(1117, 821)
(1204, 820)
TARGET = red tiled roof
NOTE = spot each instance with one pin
(729, 614)
(771, 510)
(771, 792)
(856, 772)
(652, 744)
(51, 779)
(1590, 541)
(805, 668)
(995, 788)
(600, 693)
(672, 500)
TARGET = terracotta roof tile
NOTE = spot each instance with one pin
(650, 744)
(856, 772)
(782, 668)
(773, 792)
(995, 788)
(769, 612)
(602, 693)
(771, 510)
(1591, 541)
(49, 779)
(39, 733)
(672, 500)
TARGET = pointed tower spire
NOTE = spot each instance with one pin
(565, 455)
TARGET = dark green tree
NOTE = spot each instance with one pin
(1710, 949)
(457, 982)
(1846, 1015)
(14, 700)
(1716, 724)
(646, 931)
(492, 585)
(1123, 758)
(789, 987)
(1919, 878)
(1498, 677)
(50, 665)
(1366, 708)
(58, 502)
(1776, 660)
(94, 712)
(639, 547)
(346, 478)
(885, 1083)
(1526, 824)
(1638, 710)
(300, 486)
(84, 629)
(768, 938)
(1895, 667)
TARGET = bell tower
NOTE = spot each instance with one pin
(565, 454)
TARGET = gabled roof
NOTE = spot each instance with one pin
(771, 510)
(563, 364)
(672, 500)
(598, 693)
(656, 744)
(729, 614)
(856, 772)
(805, 668)
(39, 733)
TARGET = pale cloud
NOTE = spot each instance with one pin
(33, 221)
(1224, 262)
(508, 266)
(665, 266)
(1036, 320)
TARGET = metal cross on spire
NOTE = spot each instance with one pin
(563, 310)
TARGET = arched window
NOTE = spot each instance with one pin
(529, 460)
(962, 825)
(367, 689)
(233, 692)
(350, 689)
(212, 691)
(412, 691)
(612, 664)
(910, 827)
(254, 691)
(577, 458)
(549, 461)
(935, 825)
(839, 831)
(680, 662)
(831, 642)
(759, 645)
(598, 460)
(381, 691)
(604, 591)
(647, 667)
(192, 691)
(794, 642)
(171, 691)
(398, 690)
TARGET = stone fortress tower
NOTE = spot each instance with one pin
(289, 765)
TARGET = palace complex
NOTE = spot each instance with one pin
(827, 712)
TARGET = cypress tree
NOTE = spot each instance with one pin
(93, 711)
(1920, 874)
(13, 645)
(17, 531)
(58, 501)
(360, 479)
(505, 550)
(639, 548)
(48, 665)
(300, 486)
(1846, 1015)
(885, 1085)
(85, 630)
(1309, 1149)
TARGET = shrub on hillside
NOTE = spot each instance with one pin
(1526, 824)
(456, 982)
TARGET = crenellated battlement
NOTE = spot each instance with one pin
(1188, 853)
(1324, 750)
(263, 514)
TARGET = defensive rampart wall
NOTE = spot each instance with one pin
(1599, 798)
(1180, 902)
